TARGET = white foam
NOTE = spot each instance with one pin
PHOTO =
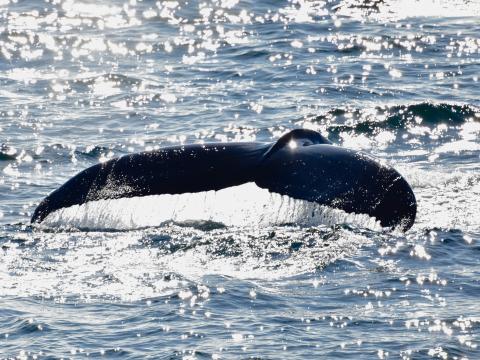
(445, 198)
(244, 205)
(403, 9)
(134, 265)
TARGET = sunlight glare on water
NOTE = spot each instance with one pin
(242, 272)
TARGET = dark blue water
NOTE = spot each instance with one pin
(82, 82)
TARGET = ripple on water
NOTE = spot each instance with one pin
(83, 82)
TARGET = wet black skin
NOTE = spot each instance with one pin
(301, 164)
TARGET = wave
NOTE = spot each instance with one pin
(7, 153)
(397, 117)
(6, 156)
(119, 79)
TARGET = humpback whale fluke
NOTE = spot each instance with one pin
(302, 164)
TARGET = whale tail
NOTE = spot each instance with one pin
(170, 170)
(302, 164)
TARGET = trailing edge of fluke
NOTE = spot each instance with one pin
(302, 164)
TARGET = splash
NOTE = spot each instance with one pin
(244, 205)
(157, 262)
(447, 199)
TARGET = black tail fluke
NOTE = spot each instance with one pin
(302, 164)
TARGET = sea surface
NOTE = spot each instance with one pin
(85, 81)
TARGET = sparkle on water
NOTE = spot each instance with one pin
(238, 273)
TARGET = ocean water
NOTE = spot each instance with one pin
(85, 81)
